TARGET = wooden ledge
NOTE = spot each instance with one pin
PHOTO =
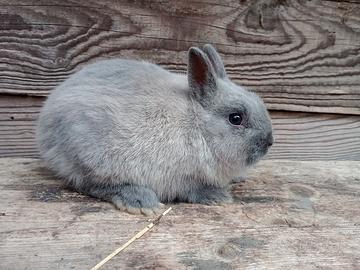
(286, 215)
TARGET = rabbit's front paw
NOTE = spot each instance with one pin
(136, 199)
(210, 195)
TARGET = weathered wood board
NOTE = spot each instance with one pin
(301, 136)
(286, 215)
(299, 55)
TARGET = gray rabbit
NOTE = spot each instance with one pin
(136, 135)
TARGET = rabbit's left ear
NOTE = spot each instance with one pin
(201, 75)
(215, 60)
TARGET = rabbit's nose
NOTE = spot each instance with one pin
(270, 139)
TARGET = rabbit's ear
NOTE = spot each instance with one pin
(215, 60)
(201, 75)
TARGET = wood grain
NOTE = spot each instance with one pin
(301, 136)
(286, 215)
(299, 55)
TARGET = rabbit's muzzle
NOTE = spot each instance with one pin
(259, 146)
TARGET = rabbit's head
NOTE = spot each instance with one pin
(234, 121)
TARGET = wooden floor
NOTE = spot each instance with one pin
(286, 215)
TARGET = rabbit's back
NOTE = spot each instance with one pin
(117, 76)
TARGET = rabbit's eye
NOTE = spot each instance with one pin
(235, 119)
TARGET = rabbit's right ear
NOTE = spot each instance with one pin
(201, 75)
(215, 60)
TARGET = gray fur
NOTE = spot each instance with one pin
(135, 134)
(209, 195)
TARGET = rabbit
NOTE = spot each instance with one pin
(136, 135)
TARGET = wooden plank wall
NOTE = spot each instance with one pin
(302, 57)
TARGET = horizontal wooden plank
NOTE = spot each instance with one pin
(286, 215)
(299, 55)
(301, 136)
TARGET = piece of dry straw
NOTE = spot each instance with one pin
(128, 243)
